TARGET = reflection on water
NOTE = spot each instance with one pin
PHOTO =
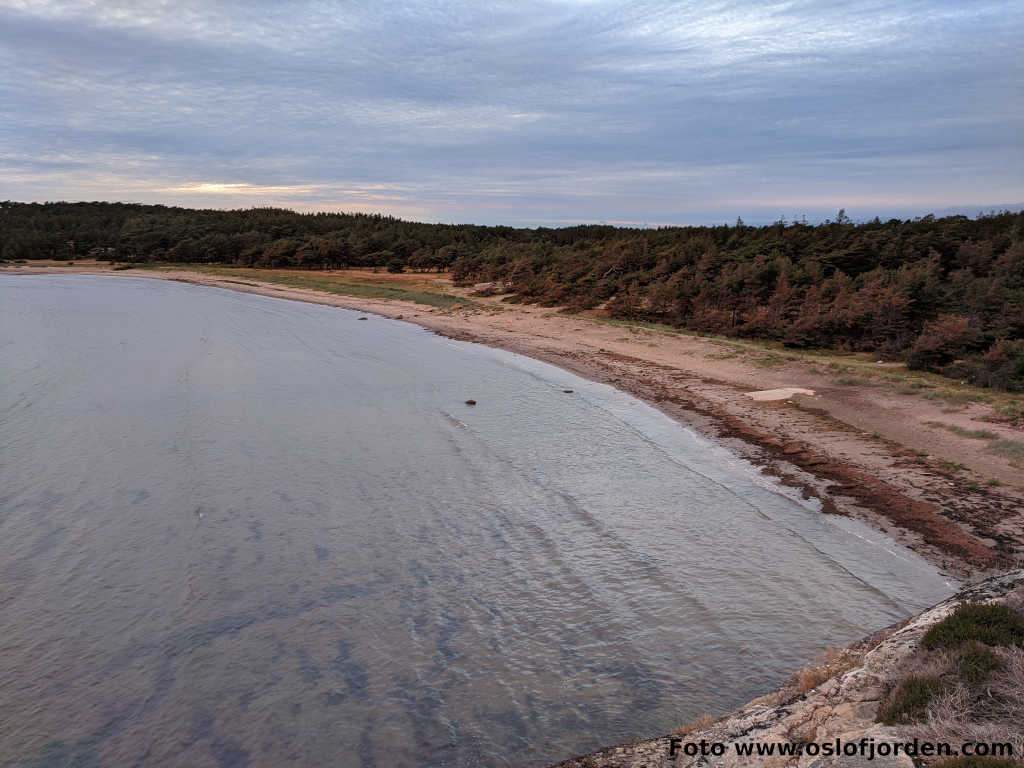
(242, 531)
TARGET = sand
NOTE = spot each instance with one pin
(784, 393)
(864, 451)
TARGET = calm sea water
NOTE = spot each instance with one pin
(241, 531)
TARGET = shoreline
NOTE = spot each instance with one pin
(817, 443)
(799, 438)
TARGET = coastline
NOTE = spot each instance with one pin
(817, 443)
(807, 441)
(833, 702)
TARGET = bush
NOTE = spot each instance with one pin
(940, 342)
(396, 266)
(908, 703)
(977, 662)
(1001, 367)
(988, 624)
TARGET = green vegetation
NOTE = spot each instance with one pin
(1011, 411)
(977, 622)
(909, 702)
(954, 397)
(342, 285)
(945, 295)
(977, 662)
(976, 434)
(1010, 449)
(967, 678)
(768, 361)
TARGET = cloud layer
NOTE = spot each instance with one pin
(527, 112)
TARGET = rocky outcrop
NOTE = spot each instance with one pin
(844, 706)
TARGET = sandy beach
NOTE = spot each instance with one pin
(899, 461)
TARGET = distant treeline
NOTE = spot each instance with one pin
(945, 295)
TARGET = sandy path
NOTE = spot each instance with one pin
(857, 448)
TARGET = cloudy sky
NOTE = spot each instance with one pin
(527, 112)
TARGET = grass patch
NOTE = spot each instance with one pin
(953, 397)
(701, 722)
(851, 381)
(1012, 412)
(1008, 449)
(340, 283)
(834, 662)
(974, 434)
(977, 622)
(723, 356)
(905, 389)
(908, 703)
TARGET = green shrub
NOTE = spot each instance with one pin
(977, 662)
(1001, 367)
(908, 703)
(988, 624)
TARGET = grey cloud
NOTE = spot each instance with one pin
(523, 112)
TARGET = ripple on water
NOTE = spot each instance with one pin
(242, 531)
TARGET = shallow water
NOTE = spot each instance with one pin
(236, 530)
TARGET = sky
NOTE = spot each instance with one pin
(526, 113)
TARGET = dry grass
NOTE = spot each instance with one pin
(953, 718)
(980, 708)
(1016, 599)
(926, 663)
(1008, 687)
(700, 723)
(834, 662)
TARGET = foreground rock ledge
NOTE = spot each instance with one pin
(843, 706)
